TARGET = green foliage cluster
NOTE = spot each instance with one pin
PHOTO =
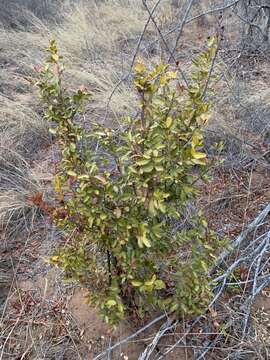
(123, 197)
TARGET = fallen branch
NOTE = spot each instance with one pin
(238, 241)
(254, 256)
(131, 337)
(167, 326)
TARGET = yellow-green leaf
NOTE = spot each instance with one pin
(198, 161)
(139, 67)
(57, 184)
(196, 139)
(146, 242)
(71, 173)
(151, 207)
(159, 284)
(111, 303)
(172, 74)
(159, 168)
(151, 281)
(103, 216)
(204, 266)
(143, 162)
(55, 57)
(169, 122)
(197, 155)
(148, 168)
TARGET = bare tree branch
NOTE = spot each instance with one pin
(165, 43)
(238, 241)
(133, 58)
(131, 337)
(190, 4)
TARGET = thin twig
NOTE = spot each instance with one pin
(165, 43)
(238, 241)
(133, 58)
(181, 27)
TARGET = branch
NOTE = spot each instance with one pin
(133, 58)
(211, 11)
(191, 2)
(165, 43)
(256, 254)
(238, 241)
(167, 326)
(110, 348)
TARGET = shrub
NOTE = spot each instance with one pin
(123, 193)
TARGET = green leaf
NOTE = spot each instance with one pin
(172, 74)
(72, 147)
(55, 57)
(71, 173)
(146, 242)
(151, 281)
(143, 162)
(204, 266)
(197, 155)
(198, 162)
(111, 303)
(159, 168)
(169, 122)
(83, 177)
(151, 207)
(159, 284)
(140, 67)
(148, 168)
(211, 41)
(174, 307)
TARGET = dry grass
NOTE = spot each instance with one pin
(96, 39)
(22, 126)
(11, 14)
(17, 184)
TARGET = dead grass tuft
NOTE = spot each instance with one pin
(16, 185)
